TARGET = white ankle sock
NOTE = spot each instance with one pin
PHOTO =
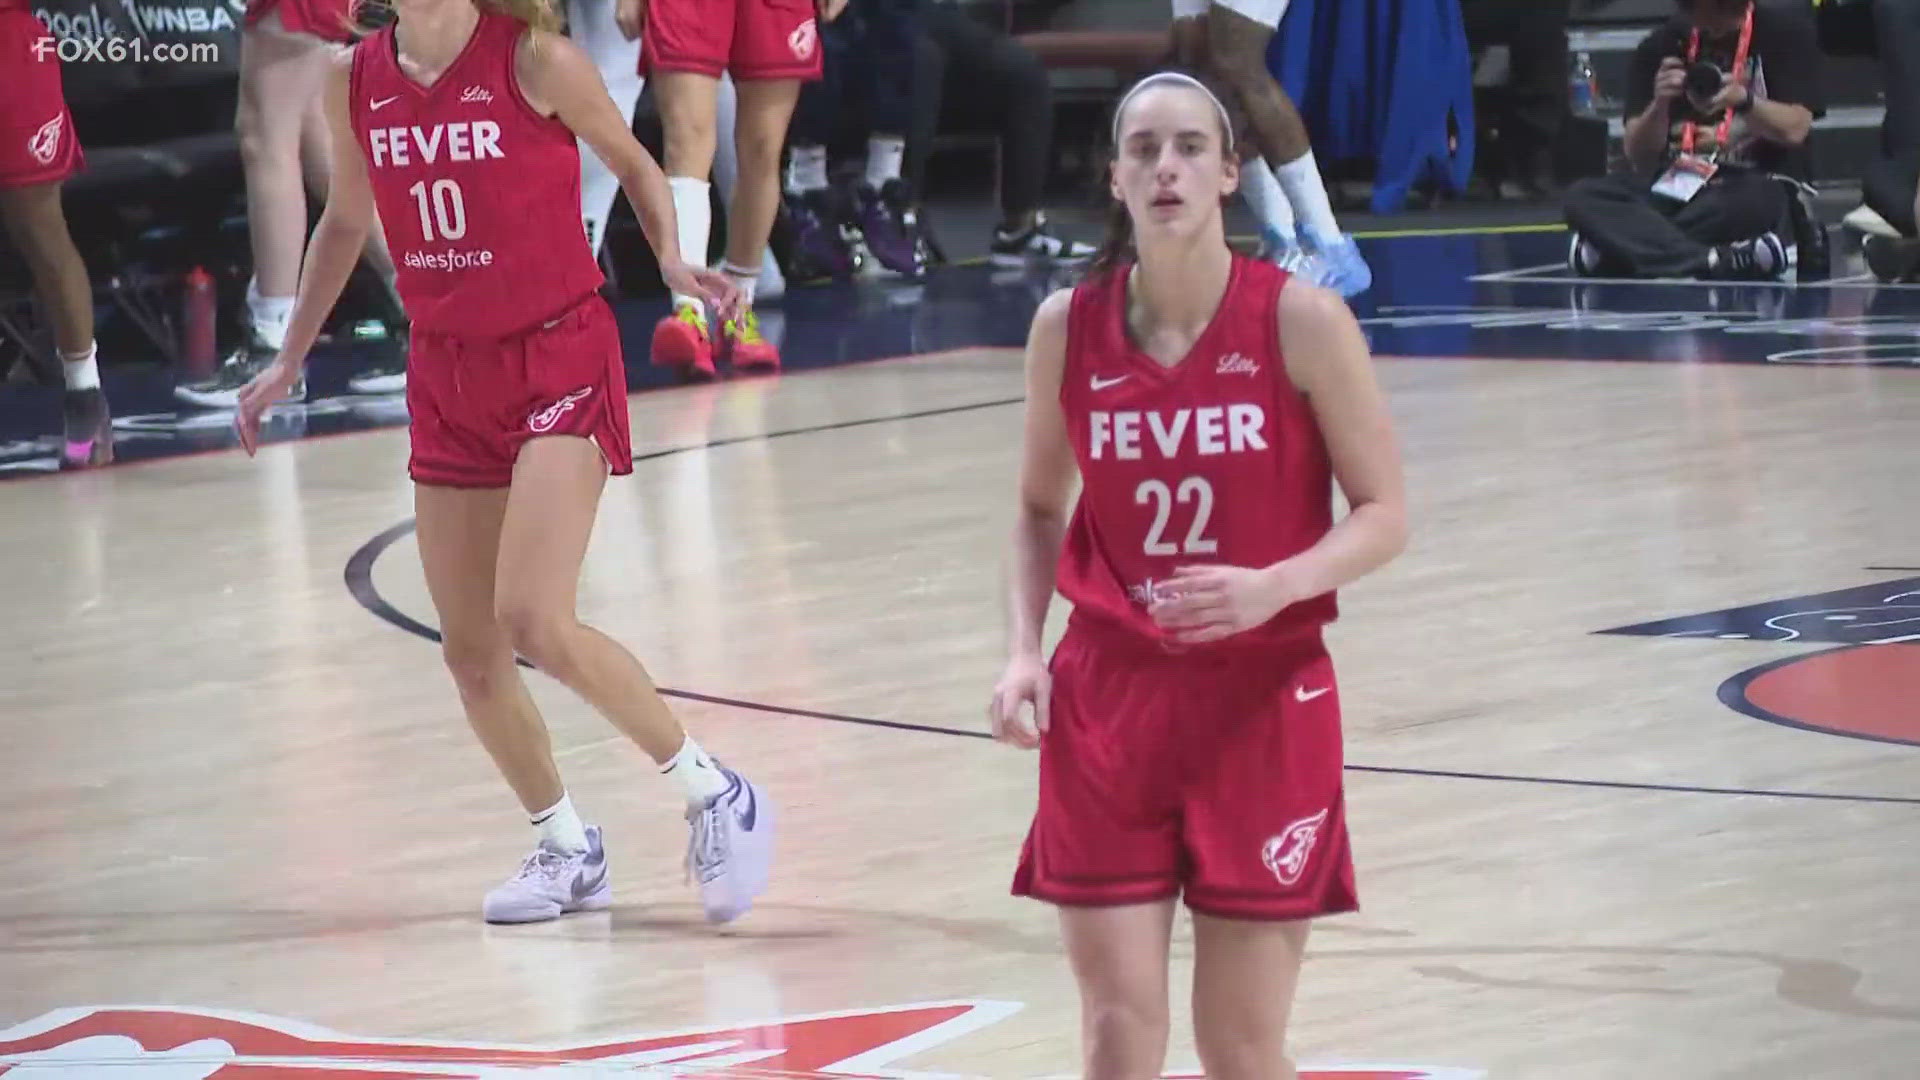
(560, 826)
(696, 772)
(807, 169)
(885, 153)
(269, 314)
(1266, 200)
(1300, 179)
(745, 279)
(83, 371)
(695, 215)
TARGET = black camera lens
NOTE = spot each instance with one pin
(1704, 80)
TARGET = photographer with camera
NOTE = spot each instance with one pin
(1721, 101)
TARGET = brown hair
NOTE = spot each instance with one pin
(1116, 248)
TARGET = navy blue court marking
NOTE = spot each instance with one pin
(359, 581)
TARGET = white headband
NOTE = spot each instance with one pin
(1184, 80)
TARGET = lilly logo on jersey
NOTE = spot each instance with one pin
(1214, 429)
(1236, 364)
(461, 140)
(476, 94)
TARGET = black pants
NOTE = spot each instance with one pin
(1896, 29)
(1888, 187)
(973, 77)
(1640, 234)
(867, 69)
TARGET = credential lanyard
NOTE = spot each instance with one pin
(1739, 75)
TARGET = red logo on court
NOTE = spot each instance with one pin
(177, 1044)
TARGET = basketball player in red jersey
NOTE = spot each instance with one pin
(769, 47)
(462, 122)
(38, 152)
(1188, 723)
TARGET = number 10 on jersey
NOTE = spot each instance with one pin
(448, 211)
(1194, 491)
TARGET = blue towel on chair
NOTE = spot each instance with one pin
(1386, 81)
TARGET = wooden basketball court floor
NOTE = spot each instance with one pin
(247, 831)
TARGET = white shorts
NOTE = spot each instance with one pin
(1267, 13)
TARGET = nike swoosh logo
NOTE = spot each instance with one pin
(1301, 693)
(751, 814)
(583, 886)
(1101, 384)
(384, 102)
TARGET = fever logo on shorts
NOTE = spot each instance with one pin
(545, 419)
(191, 1044)
(803, 40)
(45, 144)
(1286, 854)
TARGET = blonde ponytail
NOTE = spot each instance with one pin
(537, 14)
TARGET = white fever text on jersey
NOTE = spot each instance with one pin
(1133, 435)
(462, 140)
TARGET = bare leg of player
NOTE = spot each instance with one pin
(726, 173)
(37, 223)
(688, 103)
(760, 130)
(458, 532)
(543, 540)
(1237, 54)
(1119, 958)
(1244, 977)
(281, 73)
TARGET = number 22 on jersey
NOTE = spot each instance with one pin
(1193, 490)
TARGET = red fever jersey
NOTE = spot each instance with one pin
(478, 194)
(1217, 459)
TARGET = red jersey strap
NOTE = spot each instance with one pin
(1691, 132)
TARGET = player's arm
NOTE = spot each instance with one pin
(1047, 473)
(340, 237)
(1328, 359)
(560, 80)
(335, 248)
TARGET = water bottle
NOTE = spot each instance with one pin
(1583, 88)
(198, 307)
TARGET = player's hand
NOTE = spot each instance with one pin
(1206, 603)
(1671, 80)
(1026, 682)
(716, 288)
(630, 16)
(829, 9)
(258, 396)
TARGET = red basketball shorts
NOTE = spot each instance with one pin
(752, 39)
(328, 20)
(474, 403)
(1216, 776)
(37, 141)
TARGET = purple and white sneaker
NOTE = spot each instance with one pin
(552, 883)
(730, 850)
